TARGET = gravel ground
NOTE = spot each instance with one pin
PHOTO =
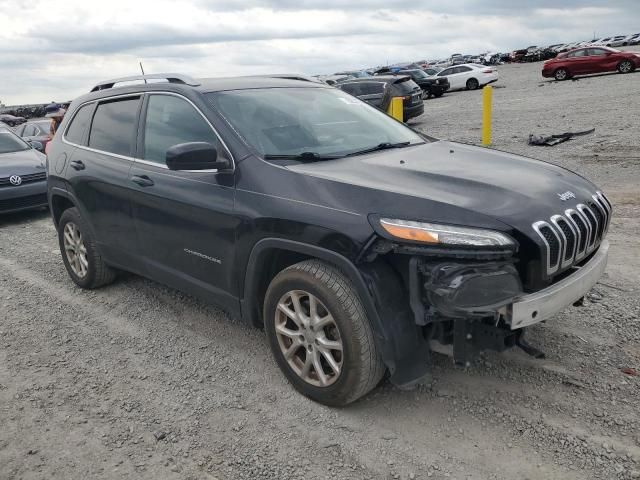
(139, 381)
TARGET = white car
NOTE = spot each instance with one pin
(469, 76)
(617, 41)
(632, 39)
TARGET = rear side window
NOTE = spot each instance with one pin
(373, 88)
(352, 88)
(405, 86)
(113, 128)
(78, 125)
(170, 121)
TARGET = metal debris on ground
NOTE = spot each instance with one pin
(551, 140)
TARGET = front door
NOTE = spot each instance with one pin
(184, 219)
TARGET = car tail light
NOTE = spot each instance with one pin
(46, 147)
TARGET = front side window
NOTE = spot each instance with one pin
(292, 121)
(445, 72)
(113, 128)
(170, 121)
(79, 124)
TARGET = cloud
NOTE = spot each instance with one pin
(60, 51)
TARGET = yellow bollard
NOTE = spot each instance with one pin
(487, 94)
(395, 109)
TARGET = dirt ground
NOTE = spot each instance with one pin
(138, 381)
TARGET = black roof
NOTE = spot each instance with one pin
(377, 78)
(203, 85)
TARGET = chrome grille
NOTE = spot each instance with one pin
(571, 236)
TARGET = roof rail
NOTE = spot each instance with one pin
(170, 77)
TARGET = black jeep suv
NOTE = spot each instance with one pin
(358, 244)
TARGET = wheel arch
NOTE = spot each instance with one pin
(60, 201)
(399, 340)
(271, 255)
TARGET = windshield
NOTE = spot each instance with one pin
(11, 143)
(293, 121)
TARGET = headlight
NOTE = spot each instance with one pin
(444, 234)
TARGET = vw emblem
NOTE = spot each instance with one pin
(15, 180)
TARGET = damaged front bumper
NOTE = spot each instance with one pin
(478, 306)
(535, 307)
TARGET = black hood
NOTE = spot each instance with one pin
(511, 189)
(20, 163)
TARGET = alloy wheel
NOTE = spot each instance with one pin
(75, 250)
(625, 67)
(309, 338)
(561, 74)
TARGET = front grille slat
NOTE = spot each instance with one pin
(571, 236)
(32, 177)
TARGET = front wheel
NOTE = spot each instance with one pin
(625, 66)
(319, 334)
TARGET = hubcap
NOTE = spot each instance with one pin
(561, 74)
(309, 338)
(75, 250)
(625, 67)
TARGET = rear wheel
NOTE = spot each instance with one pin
(561, 74)
(472, 84)
(319, 334)
(625, 66)
(80, 253)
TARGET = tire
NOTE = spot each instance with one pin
(80, 254)
(439, 94)
(561, 74)
(472, 84)
(340, 310)
(625, 66)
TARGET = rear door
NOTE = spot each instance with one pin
(98, 171)
(184, 219)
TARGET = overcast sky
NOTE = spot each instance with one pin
(57, 50)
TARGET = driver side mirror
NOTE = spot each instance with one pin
(36, 145)
(195, 156)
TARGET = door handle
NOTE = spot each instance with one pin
(77, 165)
(142, 180)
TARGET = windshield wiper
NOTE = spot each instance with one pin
(383, 146)
(304, 156)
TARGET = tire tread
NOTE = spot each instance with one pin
(372, 366)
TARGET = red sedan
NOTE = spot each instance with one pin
(583, 61)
